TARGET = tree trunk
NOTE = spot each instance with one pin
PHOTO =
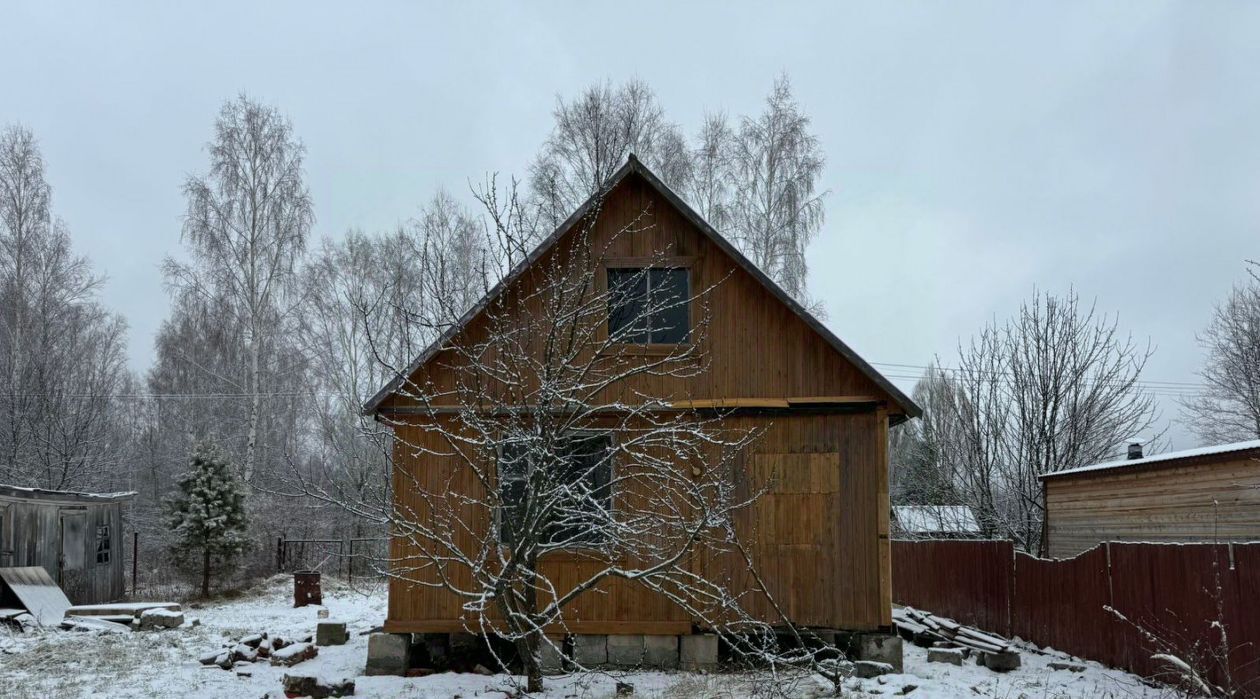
(205, 572)
(527, 648)
(255, 409)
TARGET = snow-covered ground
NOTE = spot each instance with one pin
(164, 664)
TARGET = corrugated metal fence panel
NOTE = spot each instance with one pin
(1171, 594)
(969, 581)
(1244, 628)
(1061, 603)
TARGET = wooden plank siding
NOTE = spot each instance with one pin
(755, 348)
(31, 535)
(820, 539)
(814, 537)
(1216, 500)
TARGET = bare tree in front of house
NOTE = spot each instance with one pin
(544, 434)
(246, 229)
(1228, 407)
(1053, 388)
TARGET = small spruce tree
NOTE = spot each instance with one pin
(208, 515)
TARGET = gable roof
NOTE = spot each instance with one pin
(634, 166)
(21, 493)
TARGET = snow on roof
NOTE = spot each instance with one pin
(928, 519)
(21, 491)
(1168, 456)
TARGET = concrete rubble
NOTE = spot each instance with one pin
(317, 688)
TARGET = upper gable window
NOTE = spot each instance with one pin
(649, 305)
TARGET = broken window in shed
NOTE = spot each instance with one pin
(102, 544)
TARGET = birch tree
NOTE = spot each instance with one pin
(591, 138)
(711, 184)
(356, 290)
(1228, 408)
(61, 351)
(777, 209)
(246, 229)
(26, 216)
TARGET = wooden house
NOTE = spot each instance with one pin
(76, 537)
(1202, 495)
(824, 543)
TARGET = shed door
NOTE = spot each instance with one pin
(72, 561)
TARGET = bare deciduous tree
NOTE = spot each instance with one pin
(390, 295)
(711, 185)
(777, 209)
(921, 451)
(1228, 408)
(246, 228)
(1053, 388)
(61, 352)
(591, 138)
(758, 182)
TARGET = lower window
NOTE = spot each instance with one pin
(572, 485)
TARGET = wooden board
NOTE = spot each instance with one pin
(35, 590)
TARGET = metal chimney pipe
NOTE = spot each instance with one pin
(1135, 450)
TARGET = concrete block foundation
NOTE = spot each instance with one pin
(550, 656)
(331, 633)
(388, 654)
(698, 652)
(880, 648)
(660, 652)
(625, 650)
(590, 650)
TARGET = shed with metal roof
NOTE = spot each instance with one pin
(1204, 495)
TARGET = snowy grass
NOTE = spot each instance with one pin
(48, 663)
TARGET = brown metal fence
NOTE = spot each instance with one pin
(1172, 596)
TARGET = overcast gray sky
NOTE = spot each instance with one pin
(975, 151)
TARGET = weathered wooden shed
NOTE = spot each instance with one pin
(76, 537)
(824, 543)
(1202, 495)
